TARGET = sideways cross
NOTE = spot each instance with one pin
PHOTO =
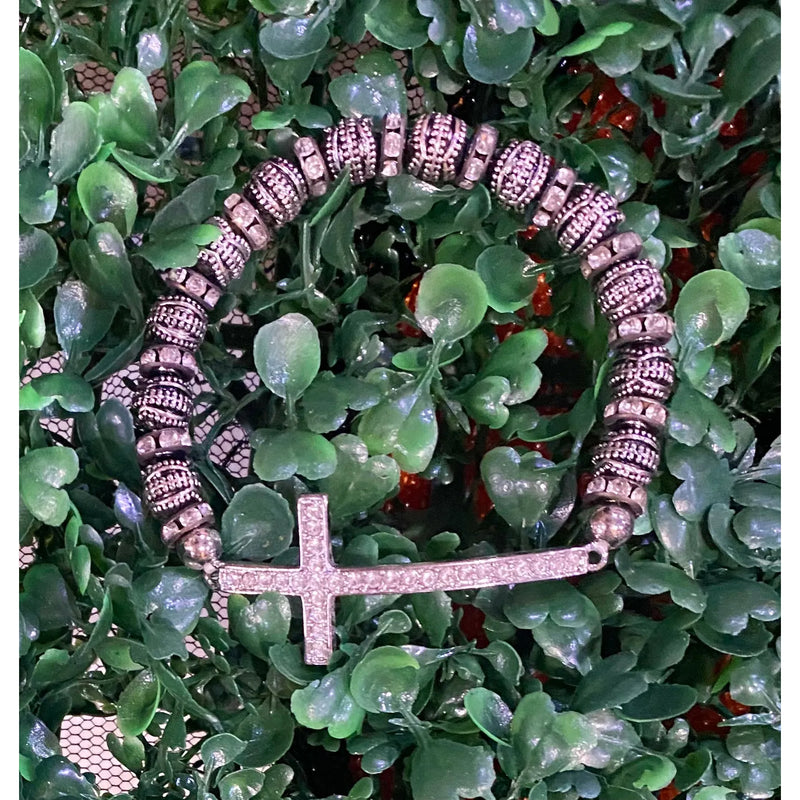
(318, 581)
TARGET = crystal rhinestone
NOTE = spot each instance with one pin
(186, 520)
(167, 441)
(312, 165)
(587, 217)
(436, 147)
(170, 486)
(620, 246)
(640, 410)
(166, 359)
(351, 143)
(519, 174)
(630, 287)
(194, 285)
(176, 320)
(243, 216)
(612, 524)
(642, 370)
(277, 190)
(393, 141)
(555, 194)
(479, 155)
(653, 328)
(200, 548)
(616, 490)
(162, 402)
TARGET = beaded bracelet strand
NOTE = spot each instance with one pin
(629, 291)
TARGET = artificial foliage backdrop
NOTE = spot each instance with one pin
(420, 356)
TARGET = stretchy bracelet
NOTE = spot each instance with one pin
(437, 148)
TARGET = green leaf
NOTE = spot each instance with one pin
(42, 473)
(106, 193)
(398, 24)
(138, 703)
(241, 785)
(485, 401)
(493, 56)
(32, 328)
(733, 602)
(37, 256)
(327, 704)
(412, 198)
(71, 392)
(386, 680)
(754, 60)
(257, 524)
(283, 453)
(151, 50)
(435, 613)
(451, 302)
(128, 750)
(191, 207)
(295, 37)
(36, 105)
(660, 701)
(287, 355)
(646, 772)
(219, 750)
(442, 769)
(706, 479)
(514, 360)
(650, 577)
(259, 624)
(327, 399)
(610, 683)
(752, 256)
(268, 733)
(57, 777)
(506, 272)
(38, 196)
(374, 90)
(175, 595)
(592, 39)
(488, 711)
(74, 141)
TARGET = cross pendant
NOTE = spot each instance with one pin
(318, 581)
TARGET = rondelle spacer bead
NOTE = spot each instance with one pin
(479, 155)
(589, 216)
(559, 185)
(630, 451)
(641, 370)
(636, 409)
(611, 250)
(633, 286)
(164, 401)
(224, 259)
(178, 320)
(163, 442)
(392, 145)
(616, 490)
(653, 328)
(200, 548)
(164, 359)
(312, 165)
(612, 524)
(436, 147)
(243, 216)
(519, 174)
(351, 143)
(170, 486)
(191, 283)
(277, 191)
(186, 520)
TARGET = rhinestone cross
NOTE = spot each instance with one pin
(318, 581)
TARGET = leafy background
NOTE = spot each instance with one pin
(426, 421)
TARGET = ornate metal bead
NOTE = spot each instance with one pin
(351, 142)
(176, 319)
(588, 217)
(616, 490)
(612, 524)
(200, 548)
(162, 402)
(277, 190)
(519, 174)
(630, 287)
(191, 283)
(312, 165)
(437, 147)
(393, 142)
(223, 260)
(185, 521)
(163, 442)
(642, 370)
(630, 451)
(610, 251)
(559, 185)
(165, 359)
(170, 486)
(243, 216)
(636, 409)
(653, 328)
(479, 155)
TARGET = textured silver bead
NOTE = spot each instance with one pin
(163, 442)
(277, 190)
(312, 165)
(164, 359)
(642, 370)
(162, 402)
(612, 524)
(185, 521)
(178, 320)
(170, 486)
(191, 283)
(653, 328)
(616, 490)
(630, 451)
(393, 143)
(351, 143)
(479, 155)
(615, 248)
(436, 147)
(589, 216)
(519, 174)
(636, 409)
(243, 216)
(559, 185)
(223, 260)
(200, 548)
(630, 287)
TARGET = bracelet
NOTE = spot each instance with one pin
(438, 149)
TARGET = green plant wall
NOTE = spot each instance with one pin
(655, 678)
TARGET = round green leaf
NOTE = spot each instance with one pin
(514, 360)
(493, 56)
(660, 701)
(398, 24)
(71, 392)
(41, 474)
(451, 302)
(256, 525)
(176, 594)
(281, 454)
(287, 355)
(37, 256)
(327, 703)
(259, 624)
(385, 680)
(503, 270)
(442, 769)
(488, 711)
(138, 703)
(753, 256)
(81, 317)
(36, 105)
(107, 193)
(268, 733)
(295, 37)
(74, 141)
(38, 197)
(221, 749)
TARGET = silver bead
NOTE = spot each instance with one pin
(224, 259)
(642, 370)
(612, 524)
(312, 165)
(479, 155)
(163, 442)
(191, 283)
(630, 287)
(436, 147)
(610, 251)
(277, 190)
(200, 548)
(616, 490)
(244, 218)
(178, 320)
(559, 185)
(636, 409)
(165, 359)
(187, 520)
(170, 486)
(519, 174)
(393, 143)
(589, 216)
(653, 328)
(351, 143)
(162, 402)
(631, 452)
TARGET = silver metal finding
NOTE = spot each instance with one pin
(312, 165)
(653, 328)
(630, 451)
(163, 442)
(351, 143)
(479, 155)
(162, 402)
(519, 174)
(170, 486)
(633, 286)
(588, 216)
(437, 147)
(178, 320)
(191, 283)
(642, 370)
(277, 191)
(393, 143)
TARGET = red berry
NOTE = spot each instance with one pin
(481, 502)
(713, 220)
(651, 144)
(735, 127)
(411, 297)
(736, 708)
(508, 329)
(540, 676)
(541, 297)
(754, 163)
(471, 624)
(704, 719)
(668, 792)
(529, 233)
(574, 121)
(659, 106)
(603, 133)
(415, 491)
(625, 116)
